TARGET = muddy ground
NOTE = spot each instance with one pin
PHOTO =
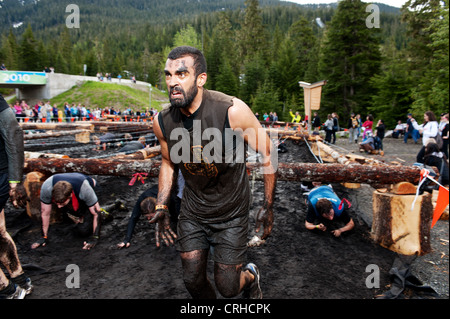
(295, 263)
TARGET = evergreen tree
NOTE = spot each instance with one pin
(91, 63)
(61, 65)
(221, 47)
(28, 51)
(439, 69)
(393, 86)
(227, 82)
(42, 54)
(65, 48)
(10, 51)
(187, 36)
(252, 78)
(266, 100)
(350, 56)
(428, 54)
(253, 36)
(286, 71)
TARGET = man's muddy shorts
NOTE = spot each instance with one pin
(228, 240)
(4, 190)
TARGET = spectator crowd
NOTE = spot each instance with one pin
(45, 112)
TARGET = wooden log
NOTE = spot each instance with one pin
(53, 134)
(43, 155)
(352, 185)
(143, 154)
(398, 228)
(122, 117)
(328, 173)
(57, 126)
(356, 158)
(404, 188)
(113, 167)
(122, 127)
(279, 123)
(287, 134)
(334, 154)
(352, 173)
(92, 126)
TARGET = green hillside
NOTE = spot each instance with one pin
(100, 95)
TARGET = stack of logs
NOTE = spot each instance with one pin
(395, 225)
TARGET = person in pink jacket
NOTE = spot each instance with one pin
(367, 125)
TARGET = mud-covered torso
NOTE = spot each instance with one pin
(216, 182)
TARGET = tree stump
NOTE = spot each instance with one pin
(33, 182)
(83, 137)
(398, 228)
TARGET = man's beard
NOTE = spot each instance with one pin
(187, 97)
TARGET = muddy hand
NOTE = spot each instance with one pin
(264, 218)
(87, 245)
(162, 227)
(18, 196)
(40, 242)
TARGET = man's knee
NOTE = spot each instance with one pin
(194, 268)
(227, 278)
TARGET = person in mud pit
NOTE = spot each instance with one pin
(11, 187)
(75, 193)
(134, 146)
(214, 211)
(325, 206)
(146, 205)
(105, 141)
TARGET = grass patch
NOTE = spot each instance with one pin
(100, 95)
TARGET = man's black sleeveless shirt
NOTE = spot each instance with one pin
(215, 191)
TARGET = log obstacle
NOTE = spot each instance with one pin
(57, 126)
(143, 154)
(92, 126)
(29, 155)
(53, 134)
(327, 173)
(393, 226)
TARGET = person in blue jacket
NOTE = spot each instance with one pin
(325, 206)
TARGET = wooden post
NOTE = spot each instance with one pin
(313, 93)
(33, 182)
(83, 137)
(398, 227)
